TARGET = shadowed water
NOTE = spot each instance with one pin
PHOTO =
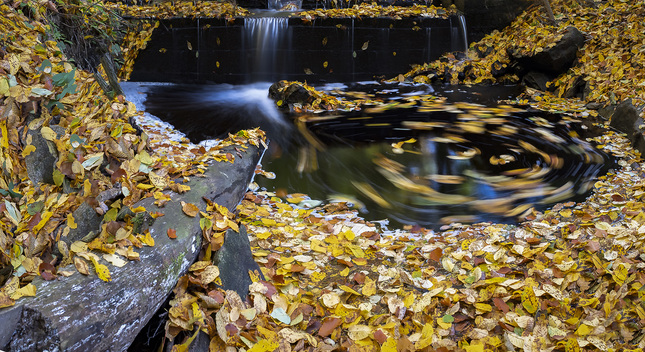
(422, 157)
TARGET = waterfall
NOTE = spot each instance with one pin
(267, 42)
(459, 35)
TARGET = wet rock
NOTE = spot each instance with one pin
(40, 163)
(234, 261)
(557, 59)
(537, 80)
(626, 118)
(290, 93)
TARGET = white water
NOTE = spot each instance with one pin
(459, 35)
(266, 39)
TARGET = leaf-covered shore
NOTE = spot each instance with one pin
(570, 278)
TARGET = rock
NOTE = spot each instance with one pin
(40, 163)
(557, 59)
(594, 106)
(234, 261)
(537, 80)
(87, 220)
(290, 93)
(626, 118)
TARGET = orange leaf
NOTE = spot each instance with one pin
(435, 254)
(172, 233)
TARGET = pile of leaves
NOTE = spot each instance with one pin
(374, 10)
(180, 9)
(610, 62)
(102, 160)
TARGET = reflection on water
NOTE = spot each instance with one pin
(415, 157)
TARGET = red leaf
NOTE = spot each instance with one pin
(172, 233)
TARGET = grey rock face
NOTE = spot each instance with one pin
(40, 163)
(234, 261)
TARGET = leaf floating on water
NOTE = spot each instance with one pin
(308, 71)
(189, 45)
(324, 41)
(365, 45)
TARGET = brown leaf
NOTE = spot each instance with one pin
(379, 336)
(172, 233)
(81, 266)
(436, 254)
(47, 271)
(328, 326)
(501, 305)
(189, 209)
(592, 246)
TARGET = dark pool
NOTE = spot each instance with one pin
(422, 155)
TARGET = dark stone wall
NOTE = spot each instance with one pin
(324, 50)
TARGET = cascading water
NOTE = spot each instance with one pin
(459, 35)
(268, 43)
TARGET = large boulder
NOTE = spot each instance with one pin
(626, 118)
(556, 59)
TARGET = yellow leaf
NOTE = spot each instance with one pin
(426, 336)
(157, 181)
(43, 220)
(263, 235)
(483, 307)
(583, 330)
(189, 209)
(26, 291)
(345, 272)
(139, 209)
(474, 348)
(184, 347)
(529, 301)
(147, 239)
(572, 345)
(389, 345)
(101, 270)
(369, 287)
(70, 221)
(268, 222)
(348, 289)
(48, 133)
(365, 45)
(28, 150)
(267, 333)
(264, 345)
(620, 273)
